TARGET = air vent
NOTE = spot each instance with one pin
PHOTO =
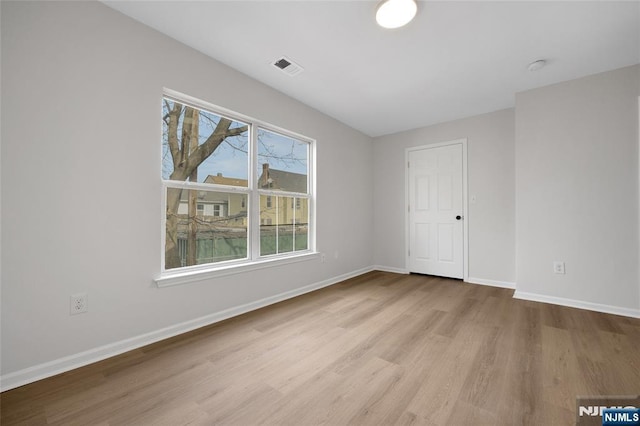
(287, 66)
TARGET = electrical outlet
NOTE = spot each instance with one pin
(558, 267)
(78, 303)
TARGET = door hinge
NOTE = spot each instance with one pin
(409, 208)
(408, 164)
(409, 253)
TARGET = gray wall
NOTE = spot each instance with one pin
(81, 190)
(577, 189)
(490, 156)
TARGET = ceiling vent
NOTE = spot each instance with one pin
(287, 66)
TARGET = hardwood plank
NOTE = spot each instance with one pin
(381, 348)
(562, 379)
(436, 398)
(486, 372)
(521, 393)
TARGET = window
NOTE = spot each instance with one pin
(285, 227)
(217, 212)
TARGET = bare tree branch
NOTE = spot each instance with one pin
(221, 132)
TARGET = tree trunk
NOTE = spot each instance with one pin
(190, 135)
(192, 232)
(172, 254)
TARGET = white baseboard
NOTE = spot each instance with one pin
(607, 309)
(61, 365)
(389, 269)
(492, 283)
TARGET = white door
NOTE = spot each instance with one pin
(436, 232)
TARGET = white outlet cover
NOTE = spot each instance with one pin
(558, 267)
(78, 303)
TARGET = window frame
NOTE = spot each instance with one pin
(252, 191)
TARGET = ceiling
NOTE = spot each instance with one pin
(456, 59)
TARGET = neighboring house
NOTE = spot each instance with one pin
(214, 204)
(221, 217)
(280, 180)
(283, 210)
(211, 204)
(223, 180)
(236, 203)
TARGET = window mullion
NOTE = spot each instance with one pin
(254, 203)
(311, 201)
(277, 224)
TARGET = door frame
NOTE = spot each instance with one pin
(465, 204)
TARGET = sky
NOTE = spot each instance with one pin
(231, 159)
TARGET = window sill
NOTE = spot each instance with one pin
(172, 279)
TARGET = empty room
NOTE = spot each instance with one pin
(320, 212)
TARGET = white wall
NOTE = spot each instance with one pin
(490, 156)
(81, 91)
(81, 191)
(577, 189)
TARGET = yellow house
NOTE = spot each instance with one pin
(220, 218)
(230, 209)
(234, 205)
(283, 209)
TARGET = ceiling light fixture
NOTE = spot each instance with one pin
(536, 65)
(395, 13)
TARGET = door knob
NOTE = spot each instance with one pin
(458, 217)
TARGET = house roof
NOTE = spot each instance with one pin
(282, 180)
(223, 180)
(279, 180)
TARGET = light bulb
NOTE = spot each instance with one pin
(396, 13)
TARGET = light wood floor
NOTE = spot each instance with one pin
(377, 349)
